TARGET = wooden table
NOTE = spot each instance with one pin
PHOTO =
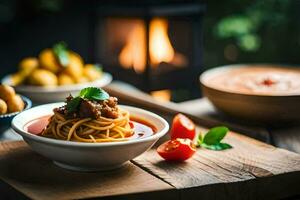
(251, 170)
(285, 137)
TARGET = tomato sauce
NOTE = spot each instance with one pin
(36, 126)
(141, 127)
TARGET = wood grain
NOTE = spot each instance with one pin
(251, 170)
(133, 96)
(202, 107)
(37, 178)
(287, 138)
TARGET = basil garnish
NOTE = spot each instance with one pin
(90, 93)
(212, 139)
(60, 51)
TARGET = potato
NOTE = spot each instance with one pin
(75, 66)
(92, 72)
(42, 77)
(3, 107)
(65, 79)
(18, 78)
(82, 79)
(6, 92)
(27, 65)
(15, 104)
(48, 61)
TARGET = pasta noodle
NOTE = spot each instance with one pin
(89, 130)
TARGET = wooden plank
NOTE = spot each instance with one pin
(287, 138)
(37, 178)
(251, 170)
(131, 95)
(203, 108)
(9, 193)
(284, 137)
(203, 111)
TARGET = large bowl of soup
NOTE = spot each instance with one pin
(261, 93)
(86, 156)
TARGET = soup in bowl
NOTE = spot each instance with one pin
(260, 93)
(81, 141)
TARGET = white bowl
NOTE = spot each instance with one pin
(40, 94)
(88, 156)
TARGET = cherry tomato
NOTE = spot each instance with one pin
(177, 150)
(182, 127)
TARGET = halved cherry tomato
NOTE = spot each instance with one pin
(177, 150)
(182, 127)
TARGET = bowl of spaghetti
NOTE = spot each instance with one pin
(89, 132)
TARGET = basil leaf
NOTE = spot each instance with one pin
(215, 135)
(199, 140)
(98, 67)
(61, 52)
(93, 93)
(73, 104)
(217, 146)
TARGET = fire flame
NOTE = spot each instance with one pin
(162, 95)
(133, 54)
(160, 47)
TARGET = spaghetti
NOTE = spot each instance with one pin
(102, 129)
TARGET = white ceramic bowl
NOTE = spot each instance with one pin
(88, 156)
(39, 94)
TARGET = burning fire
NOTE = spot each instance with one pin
(162, 95)
(160, 47)
(133, 54)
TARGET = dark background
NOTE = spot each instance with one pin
(234, 31)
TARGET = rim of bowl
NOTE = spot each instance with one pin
(101, 82)
(28, 105)
(220, 69)
(25, 134)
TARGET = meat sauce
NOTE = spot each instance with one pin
(90, 108)
(142, 128)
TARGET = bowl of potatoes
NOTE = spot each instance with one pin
(54, 74)
(10, 105)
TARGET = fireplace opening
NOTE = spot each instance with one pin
(133, 53)
(157, 48)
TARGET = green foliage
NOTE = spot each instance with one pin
(234, 26)
(249, 42)
(98, 67)
(215, 135)
(93, 93)
(73, 104)
(90, 93)
(244, 27)
(60, 50)
(212, 139)
(217, 147)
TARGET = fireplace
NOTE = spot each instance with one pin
(154, 46)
